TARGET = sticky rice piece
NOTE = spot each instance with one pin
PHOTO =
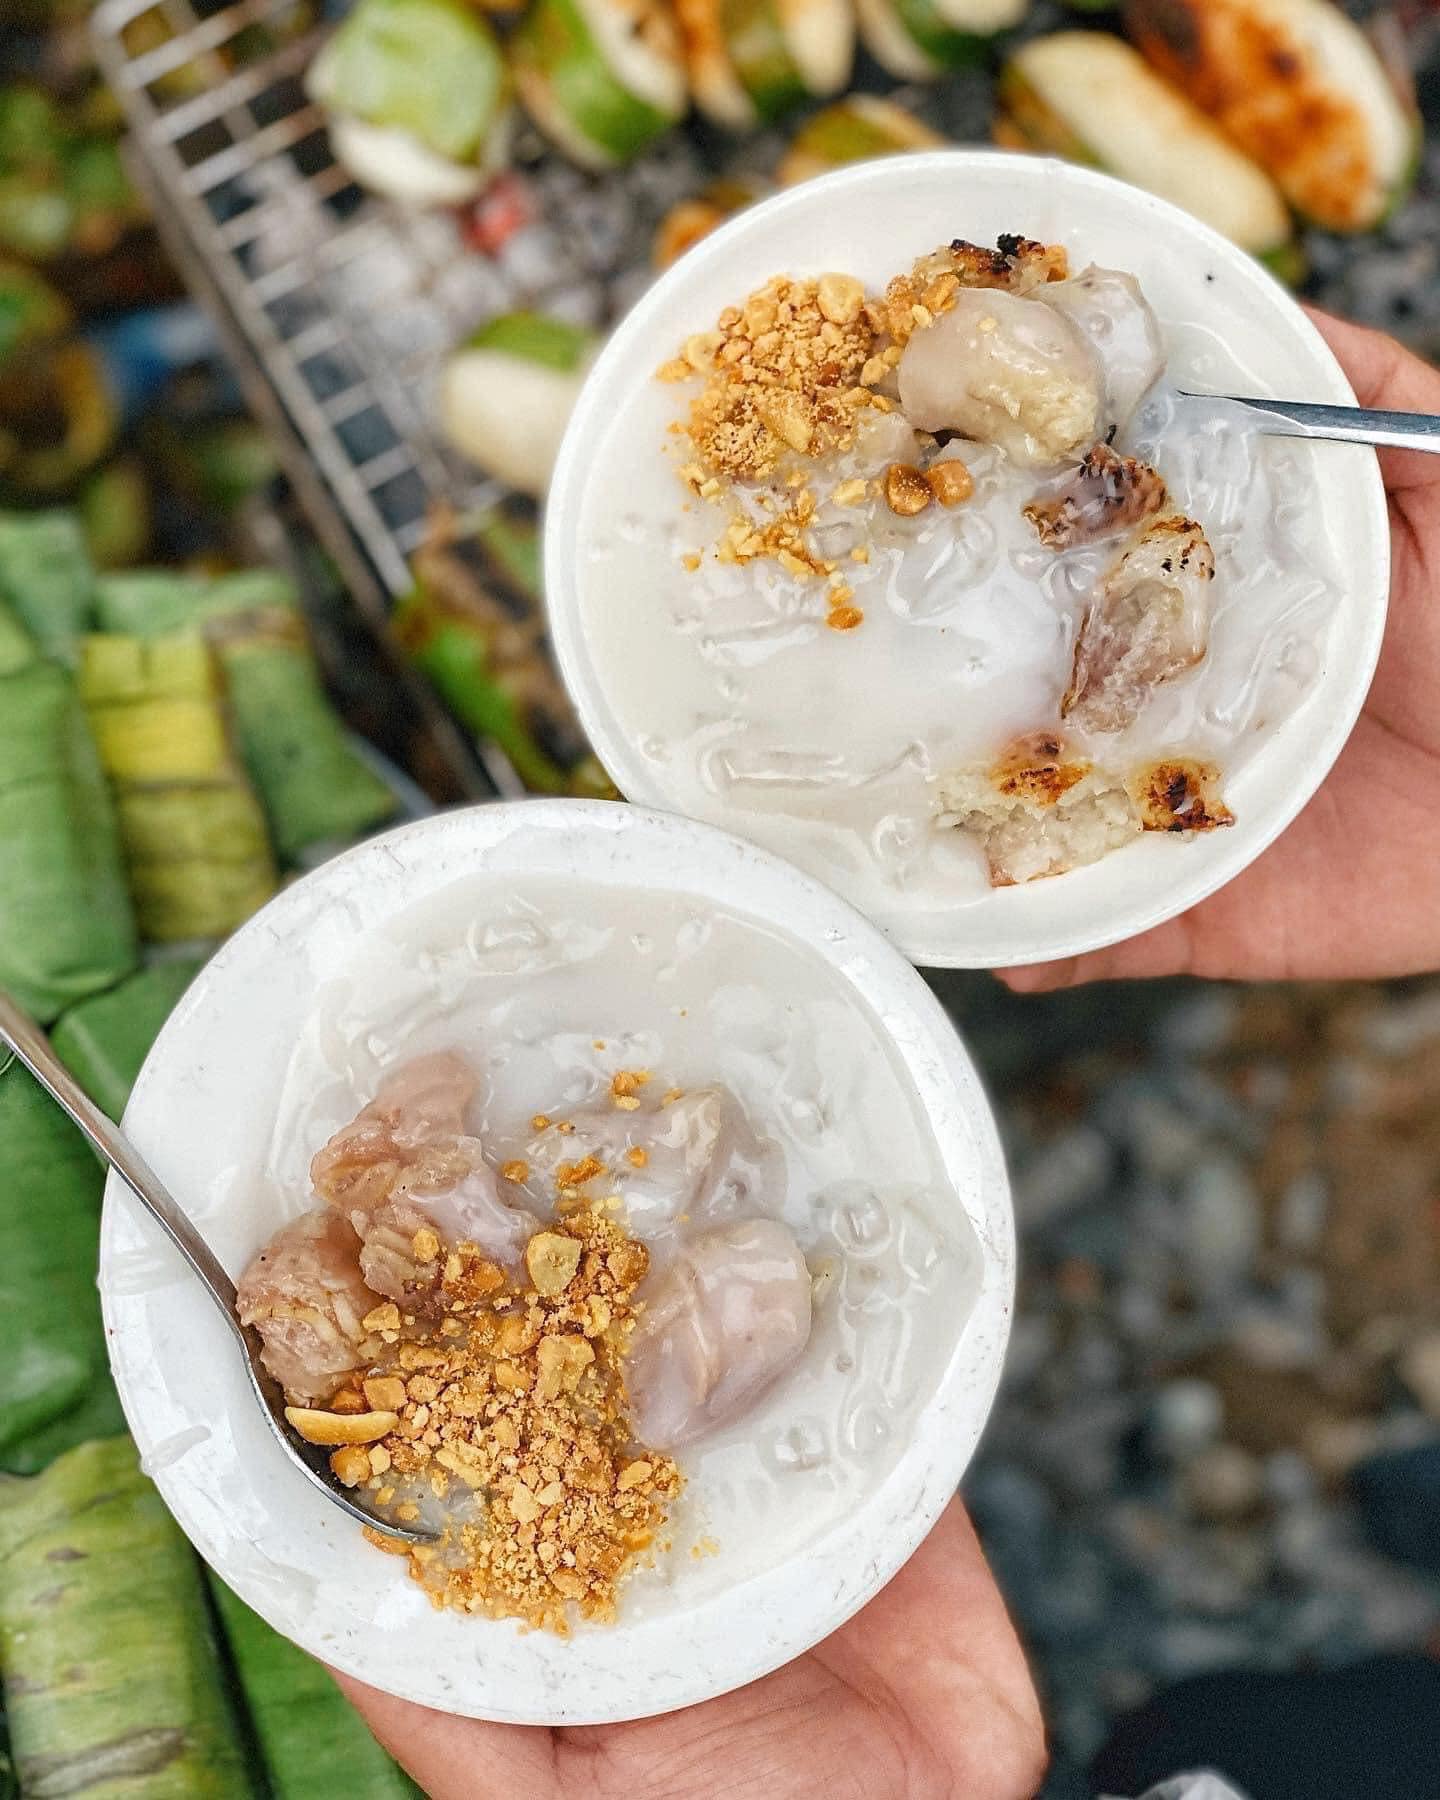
(1039, 810)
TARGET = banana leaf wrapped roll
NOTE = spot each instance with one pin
(63, 186)
(856, 129)
(1092, 98)
(315, 787)
(31, 310)
(103, 1041)
(57, 417)
(115, 513)
(17, 647)
(918, 40)
(112, 1676)
(749, 61)
(417, 98)
(601, 78)
(698, 215)
(66, 925)
(312, 1739)
(507, 393)
(57, 1390)
(46, 579)
(478, 632)
(196, 848)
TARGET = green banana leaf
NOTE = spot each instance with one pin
(104, 1041)
(66, 925)
(196, 848)
(46, 578)
(56, 1391)
(17, 647)
(113, 1681)
(313, 1740)
(115, 514)
(314, 786)
(30, 309)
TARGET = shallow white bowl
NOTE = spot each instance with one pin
(202, 1112)
(869, 221)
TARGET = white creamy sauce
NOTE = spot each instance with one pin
(548, 989)
(822, 745)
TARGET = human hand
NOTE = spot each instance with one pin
(1353, 887)
(923, 1695)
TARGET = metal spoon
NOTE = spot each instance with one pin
(32, 1047)
(1342, 424)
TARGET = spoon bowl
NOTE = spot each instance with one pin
(29, 1044)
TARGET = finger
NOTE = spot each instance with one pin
(456, 1759)
(1167, 950)
(1386, 375)
(937, 1646)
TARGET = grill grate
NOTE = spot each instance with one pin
(344, 304)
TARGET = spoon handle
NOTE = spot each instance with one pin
(32, 1047)
(1342, 424)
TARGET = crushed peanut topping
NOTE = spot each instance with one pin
(907, 492)
(518, 1170)
(782, 378)
(510, 1408)
(950, 482)
(787, 378)
(577, 1174)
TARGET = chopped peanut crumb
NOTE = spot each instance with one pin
(350, 1466)
(524, 1412)
(780, 378)
(552, 1258)
(950, 482)
(907, 492)
(517, 1170)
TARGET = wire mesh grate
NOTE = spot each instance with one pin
(345, 305)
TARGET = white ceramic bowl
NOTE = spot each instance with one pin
(202, 1112)
(869, 221)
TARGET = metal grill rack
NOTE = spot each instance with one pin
(337, 308)
(343, 304)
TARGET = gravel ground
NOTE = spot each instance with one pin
(1228, 1325)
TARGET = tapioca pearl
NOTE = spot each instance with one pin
(801, 1446)
(693, 935)
(861, 1220)
(922, 1256)
(807, 1119)
(865, 1425)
